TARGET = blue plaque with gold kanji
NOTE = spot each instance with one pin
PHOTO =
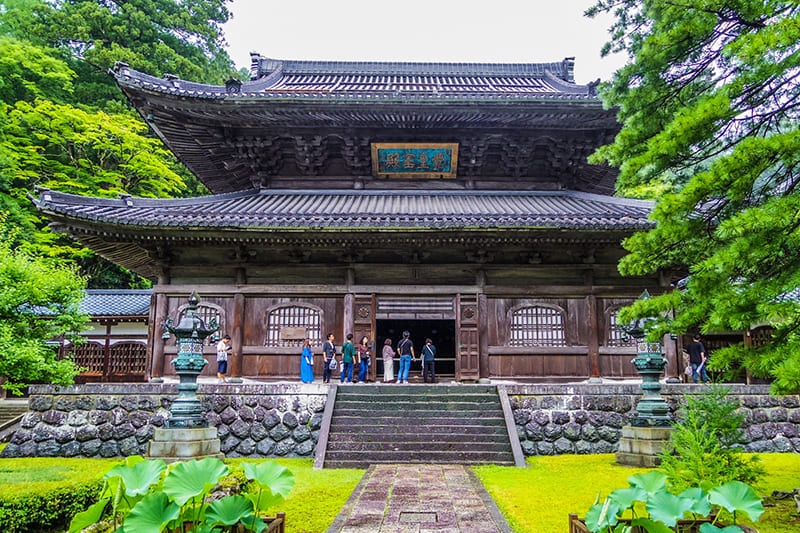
(414, 160)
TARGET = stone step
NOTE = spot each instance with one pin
(392, 389)
(415, 413)
(334, 458)
(364, 464)
(344, 422)
(405, 393)
(471, 434)
(417, 446)
(399, 405)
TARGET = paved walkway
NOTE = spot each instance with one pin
(419, 499)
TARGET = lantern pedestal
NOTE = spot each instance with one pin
(640, 446)
(171, 445)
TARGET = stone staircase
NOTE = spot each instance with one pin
(435, 424)
(10, 410)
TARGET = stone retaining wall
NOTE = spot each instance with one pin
(111, 420)
(588, 418)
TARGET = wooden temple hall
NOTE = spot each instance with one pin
(452, 200)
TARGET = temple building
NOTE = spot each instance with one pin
(452, 200)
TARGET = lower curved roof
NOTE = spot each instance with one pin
(276, 210)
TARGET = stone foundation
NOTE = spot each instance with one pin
(113, 420)
(588, 418)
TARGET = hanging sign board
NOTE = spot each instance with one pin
(414, 160)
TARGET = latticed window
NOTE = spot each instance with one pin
(207, 313)
(615, 333)
(289, 325)
(537, 326)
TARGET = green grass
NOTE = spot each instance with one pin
(317, 496)
(538, 499)
(36, 475)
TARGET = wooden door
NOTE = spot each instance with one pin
(364, 324)
(467, 354)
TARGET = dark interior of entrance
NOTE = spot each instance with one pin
(441, 332)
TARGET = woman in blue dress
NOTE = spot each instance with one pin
(307, 363)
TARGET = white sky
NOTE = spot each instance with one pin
(494, 31)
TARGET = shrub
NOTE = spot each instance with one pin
(704, 448)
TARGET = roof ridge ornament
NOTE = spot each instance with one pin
(233, 85)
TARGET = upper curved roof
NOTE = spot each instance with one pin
(310, 80)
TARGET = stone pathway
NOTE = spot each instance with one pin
(419, 499)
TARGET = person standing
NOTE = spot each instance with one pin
(223, 349)
(329, 354)
(428, 360)
(388, 361)
(307, 363)
(348, 357)
(405, 349)
(698, 359)
(363, 359)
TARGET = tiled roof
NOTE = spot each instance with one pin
(310, 80)
(117, 302)
(273, 210)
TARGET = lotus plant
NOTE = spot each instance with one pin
(147, 496)
(664, 509)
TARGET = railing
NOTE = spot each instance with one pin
(122, 361)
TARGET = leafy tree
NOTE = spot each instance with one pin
(709, 106)
(39, 300)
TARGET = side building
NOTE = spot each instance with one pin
(451, 200)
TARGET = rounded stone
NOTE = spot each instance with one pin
(228, 416)
(522, 416)
(533, 431)
(267, 402)
(259, 413)
(597, 418)
(64, 434)
(129, 402)
(43, 432)
(264, 447)
(128, 447)
(246, 414)
(788, 429)
(229, 444)
(124, 431)
(64, 403)
(145, 433)
(794, 416)
(219, 403)
(105, 431)
(240, 429)
(315, 436)
(86, 433)
(139, 418)
(251, 401)
(258, 432)
(118, 416)
(98, 417)
(305, 448)
(572, 431)
(580, 417)
(49, 448)
(40, 403)
(107, 403)
(212, 418)
(528, 447)
(109, 449)
(236, 402)
(223, 431)
(583, 448)
(604, 447)
(28, 449)
(559, 417)
(609, 434)
(315, 422)
(541, 417)
(544, 448)
(78, 418)
(20, 436)
(284, 447)
(246, 447)
(160, 417)
(303, 418)
(754, 433)
(551, 432)
(759, 416)
(90, 447)
(71, 449)
(290, 420)
(562, 446)
(272, 419)
(778, 414)
(30, 420)
(548, 402)
(760, 446)
(782, 444)
(55, 418)
(790, 401)
(301, 434)
(589, 433)
(279, 433)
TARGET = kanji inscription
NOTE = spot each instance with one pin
(415, 160)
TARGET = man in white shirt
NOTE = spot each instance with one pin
(223, 348)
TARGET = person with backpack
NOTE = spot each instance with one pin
(405, 349)
(329, 354)
(428, 361)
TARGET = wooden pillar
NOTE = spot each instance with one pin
(237, 337)
(157, 358)
(483, 336)
(107, 352)
(594, 337)
(348, 322)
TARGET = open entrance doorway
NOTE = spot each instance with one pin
(441, 332)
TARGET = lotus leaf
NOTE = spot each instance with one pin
(193, 478)
(651, 526)
(700, 498)
(151, 514)
(710, 528)
(229, 510)
(651, 482)
(626, 497)
(270, 474)
(88, 517)
(668, 508)
(602, 515)
(737, 496)
(138, 476)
